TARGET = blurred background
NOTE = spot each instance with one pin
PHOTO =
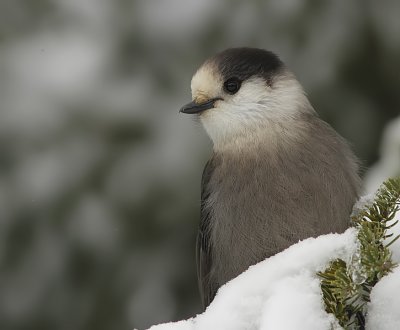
(100, 175)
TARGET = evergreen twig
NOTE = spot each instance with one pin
(345, 287)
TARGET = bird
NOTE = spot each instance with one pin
(277, 174)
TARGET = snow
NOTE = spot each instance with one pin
(264, 295)
(283, 291)
(383, 311)
(303, 301)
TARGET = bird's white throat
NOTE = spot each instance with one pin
(257, 114)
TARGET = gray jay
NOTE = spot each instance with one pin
(278, 173)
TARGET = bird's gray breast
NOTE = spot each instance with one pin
(240, 204)
(260, 203)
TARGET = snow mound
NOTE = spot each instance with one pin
(383, 310)
(281, 292)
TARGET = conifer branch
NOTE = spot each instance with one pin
(346, 288)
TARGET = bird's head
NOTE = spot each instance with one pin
(244, 91)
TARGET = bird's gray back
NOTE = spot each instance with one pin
(259, 201)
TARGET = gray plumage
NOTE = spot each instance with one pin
(267, 187)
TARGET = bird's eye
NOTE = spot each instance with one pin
(232, 85)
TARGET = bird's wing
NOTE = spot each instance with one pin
(203, 249)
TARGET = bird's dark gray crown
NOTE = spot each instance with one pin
(243, 63)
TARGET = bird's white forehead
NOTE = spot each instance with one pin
(206, 83)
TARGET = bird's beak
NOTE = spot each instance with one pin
(194, 107)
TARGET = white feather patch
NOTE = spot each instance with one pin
(248, 114)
